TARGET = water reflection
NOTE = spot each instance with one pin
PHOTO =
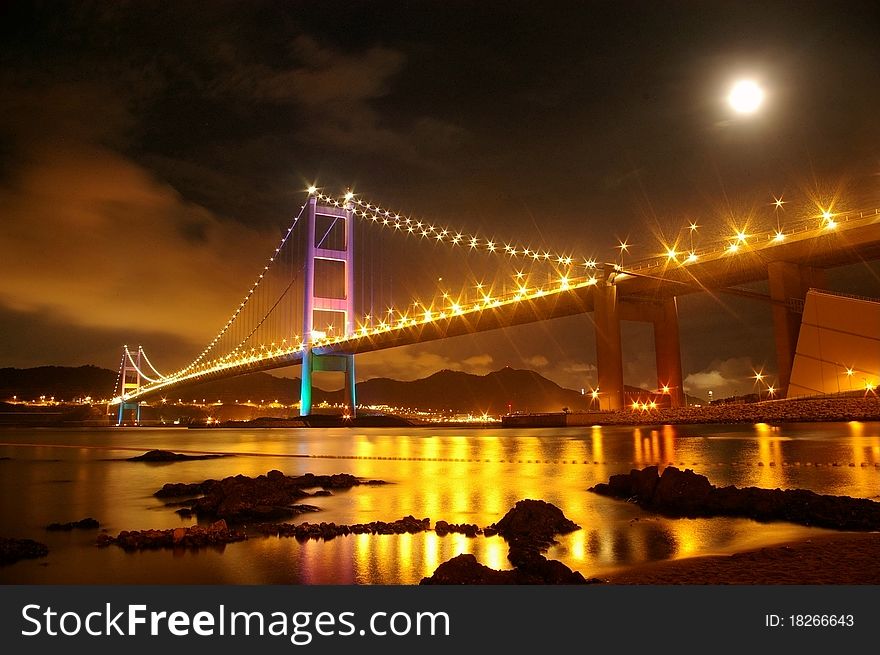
(471, 476)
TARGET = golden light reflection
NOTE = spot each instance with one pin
(598, 450)
(770, 473)
(495, 553)
(431, 551)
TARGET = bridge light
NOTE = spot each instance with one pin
(563, 282)
(733, 248)
(671, 254)
(349, 195)
(665, 388)
(312, 189)
(741, 236)
(692, 257)
(779, 236)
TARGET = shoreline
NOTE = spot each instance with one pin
(834, 559)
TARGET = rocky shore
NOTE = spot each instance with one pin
(327, 531)
(240, 498)
(196, 536)
(776, 411)
(679, 493)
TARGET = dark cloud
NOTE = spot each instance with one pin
(151, 152)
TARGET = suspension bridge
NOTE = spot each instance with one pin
(327, 292)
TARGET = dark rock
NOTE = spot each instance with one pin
(180, 489)
(465, 569)
(687, 494)
(264, 498)
(443, 528)
(530, 527)
(327, 531)
(535, 520)
(197, 536)
(168, 456)
(82, 524)
(12, 550)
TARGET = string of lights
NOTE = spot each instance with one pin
(247, 297)
(150, 364)
(470, 242)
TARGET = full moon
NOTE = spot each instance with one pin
(745, 97)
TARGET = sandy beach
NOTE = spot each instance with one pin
(845, 558)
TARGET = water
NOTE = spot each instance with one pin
(458, 475)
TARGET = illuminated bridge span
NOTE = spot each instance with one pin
(315, 304)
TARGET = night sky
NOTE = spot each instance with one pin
(151, 153)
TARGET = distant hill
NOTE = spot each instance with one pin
(518, 390)
(453, 390)
(495, 393)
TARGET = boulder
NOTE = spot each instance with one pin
(530, 527)
(466, 570)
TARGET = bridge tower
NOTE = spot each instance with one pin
(329, 296)
(129, 380)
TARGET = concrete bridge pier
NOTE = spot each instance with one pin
(610, 310)
(789, 284)
(667, 346)
(609, 352)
